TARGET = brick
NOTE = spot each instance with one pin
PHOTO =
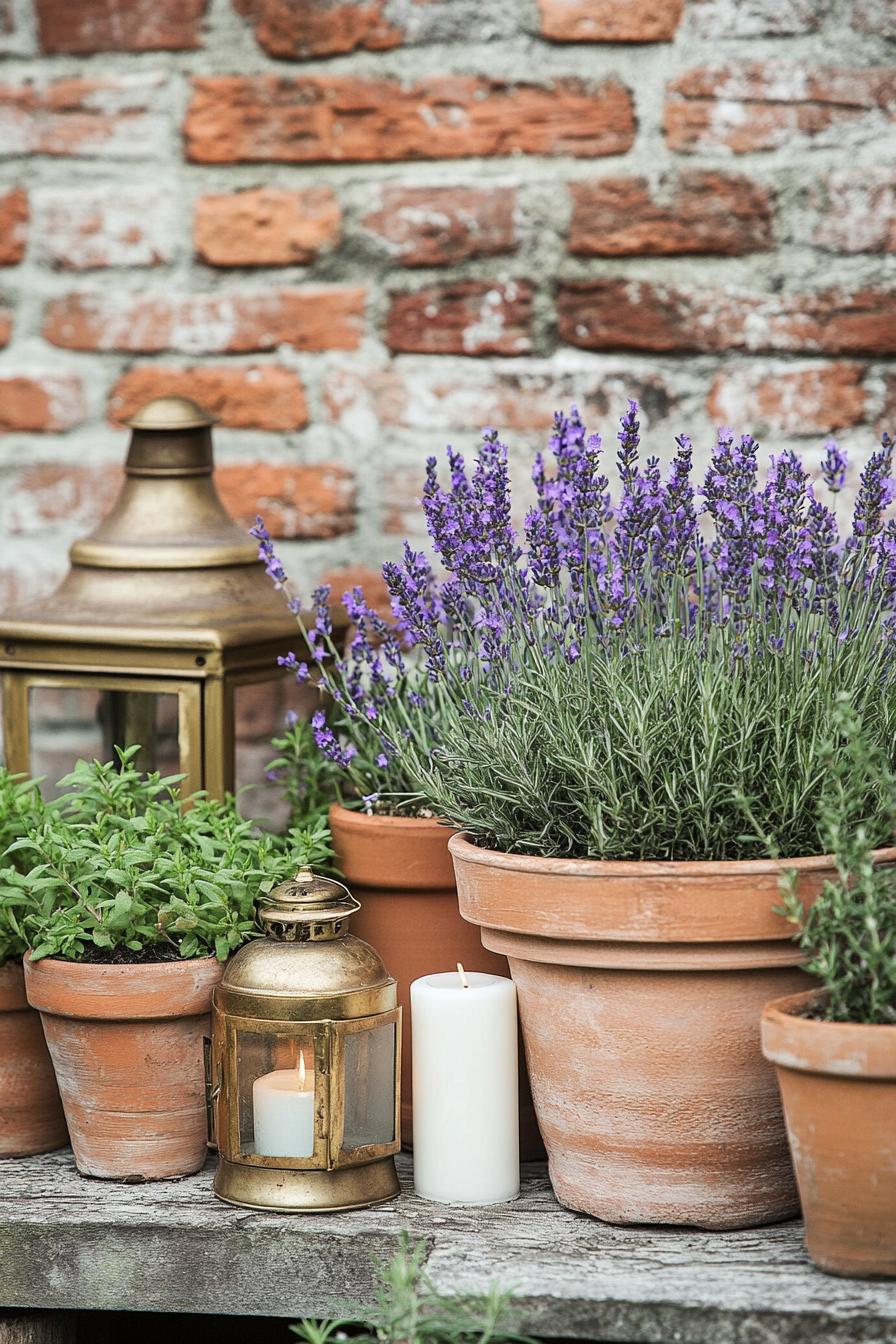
(300, 29)
(887, 420)
(234, 118)
(635, 315)
(856, 211)
(440, 226)
(266, 227)
(309, 319)
(13, 226)
(467, 394)
(811, 400)
(295, 501)
(764, 105)
(610, 21)
(85, 118)
(257, 397)
(39, 497)
(42, 404)
(713, 19)
(470, 317)
(119, 25)
(875, 16)
(695, 212)
(93, 230)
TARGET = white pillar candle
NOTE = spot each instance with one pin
(466, 1106)
(283, 1112)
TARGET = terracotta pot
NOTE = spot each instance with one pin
(126, 1044)
(641, 987)
(838, 1085)
(400, 870)
(31, 1119)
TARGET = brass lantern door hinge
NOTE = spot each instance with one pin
(212, 1092)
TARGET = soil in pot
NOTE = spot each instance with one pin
(127, 1046)
(31, 1118)
(641, 987)
(400, 870)
(838, 1086)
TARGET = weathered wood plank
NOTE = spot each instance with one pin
(70, 1242)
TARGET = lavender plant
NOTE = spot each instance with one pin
(378, 692)
(650, 677)
(849, 933)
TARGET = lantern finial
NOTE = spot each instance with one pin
(307, 908)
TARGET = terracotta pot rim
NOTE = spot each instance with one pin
(347, 816)
(142, 991)
(843, 1049)
(462, 848)
(123, 969)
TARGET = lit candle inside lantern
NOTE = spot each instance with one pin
(466, 1105)
(283, 1112)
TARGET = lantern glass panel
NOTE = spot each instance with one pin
(277, 1093)
(68, 722)
(260, 712)
(369, 1062)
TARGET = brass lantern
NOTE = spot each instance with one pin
(305, 1061)
(164, 617)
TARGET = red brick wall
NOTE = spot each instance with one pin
(357, 228)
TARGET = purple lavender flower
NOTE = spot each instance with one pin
(833, 467)
(876, 491)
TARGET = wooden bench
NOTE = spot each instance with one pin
(72, 1244)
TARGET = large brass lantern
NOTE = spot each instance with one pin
(304, 1067)
(163, 619)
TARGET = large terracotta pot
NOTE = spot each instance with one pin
(401, 871)
(126, 1044)
(31, 1119)
(838, 1085)
(641, 987)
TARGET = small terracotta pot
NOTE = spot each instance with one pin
(838, 1085)
(126, 1044)
(641, 987)
(401, 871)
(31, 1119)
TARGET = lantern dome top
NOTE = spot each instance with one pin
(171, 413)
(167, 567)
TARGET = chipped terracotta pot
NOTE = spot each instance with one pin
(31, 1119)
(126, 1044)
(838, 1085)
(400, 870)
(641, 987)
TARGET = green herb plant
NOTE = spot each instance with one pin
(20, 807)
(118, 865)
(849, 933)
(409, 1310)
(309, 780)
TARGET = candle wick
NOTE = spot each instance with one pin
(463, 976)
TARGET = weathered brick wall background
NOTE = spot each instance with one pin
(355, 229)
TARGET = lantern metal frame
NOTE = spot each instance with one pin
(310, 978)
(166, 597)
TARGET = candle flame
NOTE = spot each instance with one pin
(463, 976)
(301, 1068)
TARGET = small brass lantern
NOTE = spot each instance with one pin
(305, 1061)
(163, 619)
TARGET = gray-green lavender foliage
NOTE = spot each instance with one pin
(849, 933)
(117, 862)
(651, 676)
(409, 1310)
